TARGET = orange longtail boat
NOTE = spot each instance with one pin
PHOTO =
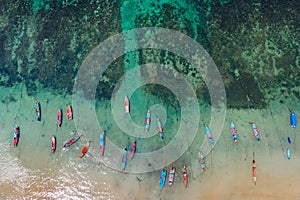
(69, 112)
(84, 150)
(59, 117)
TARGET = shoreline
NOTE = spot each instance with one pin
(228, 166)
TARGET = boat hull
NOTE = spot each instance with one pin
(209, 136)
(124, 159)
(293, 120)
(132, 152)
(148, 120)
(233, 132)
(171, 176)
(59, 118)
(84, 151)
(38, 111)
(185, 177)
(71, 141)
(255, 131)
(159, 129)
(102, 143)
(127, 105)
(69, 113)
(101, 151)
(288, 154)
(53, 144)
(16, 137)
(202, 161)
(16, 141)
(162, 178)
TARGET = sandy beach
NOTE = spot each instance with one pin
(181, 60)
(34, 172)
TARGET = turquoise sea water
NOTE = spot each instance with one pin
(43, 45)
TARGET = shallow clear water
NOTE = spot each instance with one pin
(43, 48)
(34, 171)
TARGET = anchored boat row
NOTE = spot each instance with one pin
(163, 174)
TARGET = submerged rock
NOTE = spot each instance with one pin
(43, 43)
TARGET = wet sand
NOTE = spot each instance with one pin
(39, 174)
(229, 165)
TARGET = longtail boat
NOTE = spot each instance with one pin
(288, 153)
(71, 141)
(59, 117)
(185, 178)
(171, 176)
(16, 136)
(84, 150)
(127, 105)
(233, 132)
(102, 143)
(293, 120)
(209, 136)
(202, 160)
(148, 120)
(38, 111)
(53, 144)
(255, 131)
(132, 150)
(254, 171)
(124, 158)
(162, 178)
(159, 129)
(69, 112)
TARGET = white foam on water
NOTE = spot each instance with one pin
(64, 179)
(11, 168)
